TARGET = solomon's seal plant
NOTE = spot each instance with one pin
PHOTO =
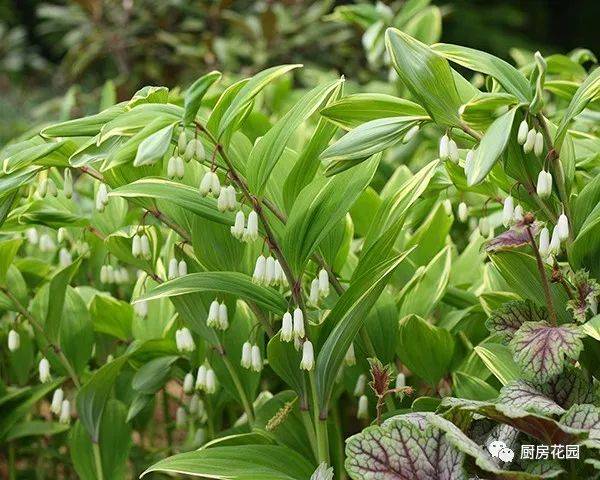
(224, 284)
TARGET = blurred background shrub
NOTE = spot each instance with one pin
(49, 47)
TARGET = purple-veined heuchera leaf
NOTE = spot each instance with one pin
(573, 385)
(587, 291)
(541, 349)
(512, 315)
(526, 395)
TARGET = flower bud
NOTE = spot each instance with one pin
(182, 268)
(190, 151)
(237, 230)
(544, 184)
(361, 382)
(554, 248)
(323, 283)
(14, 340)
(544, 242)
(65, 412)
(44, 370)
(508, 210)
(350, 357)
(408, 136)
(57, 399)
(363, 408)
(522, 133)
(68, 183)
(181, 142)
(444, 150)
(530, 141)
(463, 212)
(314, 292)
(173, 269)
(257, 362)
(246, 361)
(518, 214)
(201, 378)
(260, 269)
(287, 328)
(188, 383)
(563, 227)
(538, 145)
(211, 381)
(213, 315)
(199, 150)
(171, 168)
(308, 356)
(484, 226)
(64, 257)
(453, 151)
(298, 323)
(180, 418)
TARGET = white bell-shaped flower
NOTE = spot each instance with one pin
(323, 283)
(544, 184)
(173, 270)
(463, 212)
(223, 200)
(182, 142)
(518, 214)
(287, 327)
(57, 399)
(213, 314)
(179, 167)
(194, 405)
(184, 340)
(14, 340)
(484, 226)
(251, 231)
(522, 132)
(44, 370)
(182, 268)
(101, 197)
(136, 246)
(363, 408)
(237, 229)
(232, 203)
(350, 357)
(279, 274)
(32, 236)
(223, 317)
(180, 417)
(211, 381)
(563, 227)
(246, 360)
(260, 269)
(64, 257)
(190, 150)
(201, 378)
(544, 242)
(538, 144)
(508, 210)
(453, 151)
(298, 323)
(270, 270)
(172, 167)
(145, 247)
(530, 141)
(65, 412)
(400, 380)
(469, 158)
(141, 308)
(257, 362)
(554, 248)
(314, 292)
(308, 356)
(205, 184)
(444, 150)
(188, 383)
(361, 383)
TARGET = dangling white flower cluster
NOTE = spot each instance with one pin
(531, 140)
(206, 379)
(319, 287)
(110, 274)
(448, 149)
(248, 233)
(46, 243)
(176, 269)
(308, 356)
(350, 357)
(217, 316)
(550, 246)
(175, 167)
(184, 340)
(251, 357)
(46, 186)
(68, 183)
(544, 184)
(190, 150)
(141, 308)
(140, 246)
(102, 197)
(210, 184)
(227, 199)
(14, 340)
(44, 370)
(268, 271)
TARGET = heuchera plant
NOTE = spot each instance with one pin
(216, 284)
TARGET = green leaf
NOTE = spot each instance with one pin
(351, 111)
(426, 74)
(350, 312)
(508, 76)
(35, 428)
(490, 148)
(234, 283)
(484, 108)
(182, 195)
(284, 359)
(154, 146)
(242, 462)
(318, 209)
(111, 316)
(587, 92)
(499, 360)
(8, 250)
(76, 330)
(85, 126)
(366, 140)
(193, 96)
(114, 441)
(473, 388)
(92, 397)
(542, 350)
(152, 376)
(268, 149)
(48, 154)
(425, 349)
(56, 298)
(247, 93)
